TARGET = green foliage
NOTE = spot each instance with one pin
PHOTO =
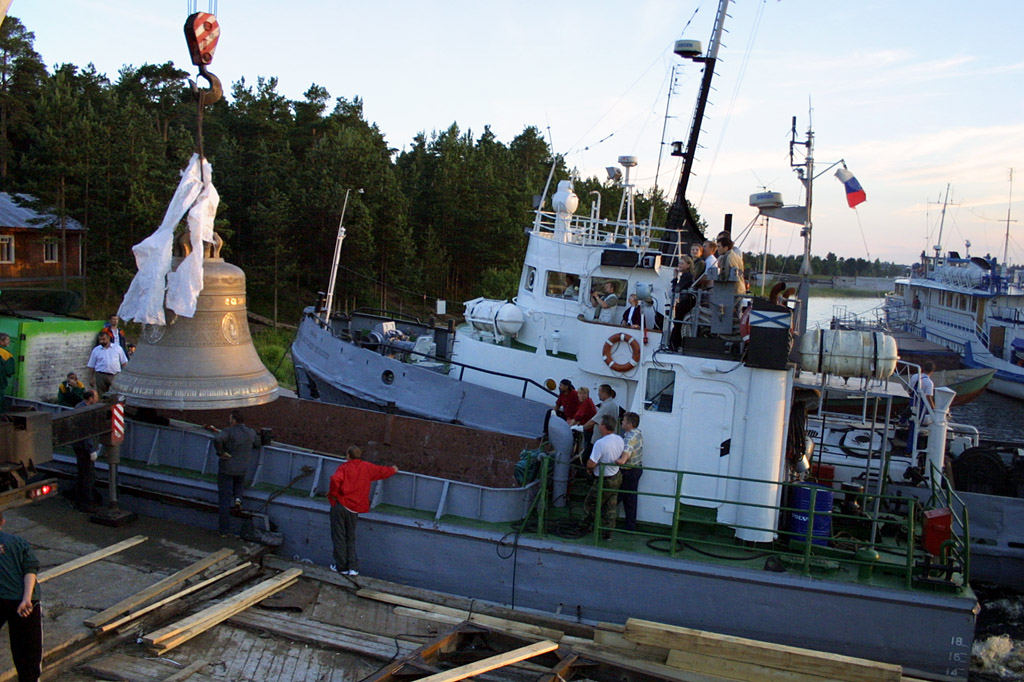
(272, 345)
(829, 266)
(499, 284)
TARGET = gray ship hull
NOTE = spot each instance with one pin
(333, 370)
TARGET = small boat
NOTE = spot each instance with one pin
(968, 384)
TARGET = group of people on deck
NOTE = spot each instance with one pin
(605, 455)
(709, 264)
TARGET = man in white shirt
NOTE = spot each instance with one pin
(710, 264)
(922, 391)
(606, 451)
(105, 361)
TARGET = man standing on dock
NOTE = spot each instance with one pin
(349, 496)
(234, 446)
(19, 603)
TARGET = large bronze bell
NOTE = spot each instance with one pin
(203, 362)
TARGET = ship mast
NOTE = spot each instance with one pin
(804, 171)
(1009, 205)
(942, 222)
(680, 218)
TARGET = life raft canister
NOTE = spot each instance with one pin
(609, 346)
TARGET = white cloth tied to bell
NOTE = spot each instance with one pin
(155, 285)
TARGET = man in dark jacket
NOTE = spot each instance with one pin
(234, 446)
(19, 604)
(85, 456)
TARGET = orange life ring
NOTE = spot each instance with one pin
(610, 344)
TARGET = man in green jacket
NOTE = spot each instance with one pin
(19, 604)
(6, 369)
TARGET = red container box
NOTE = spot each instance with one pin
(938, 528)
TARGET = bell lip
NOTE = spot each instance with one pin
(187, 405)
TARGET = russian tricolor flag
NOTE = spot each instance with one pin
(854, 192)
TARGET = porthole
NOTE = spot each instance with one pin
(388, 377)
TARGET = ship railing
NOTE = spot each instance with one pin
(944, 497)
(526, 382)
(897, 312)
(875, 533)
(961, 321)
(596, 231)
(1007, 314)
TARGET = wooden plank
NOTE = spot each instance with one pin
(124, 667)
(832, 666)
(522, 629)
(257, 592)
(157, 589)
(51, 573)
(214, 615)
(736, 670)
(187, 672)
(322, 634)
(491, 663)
(461, 615)
(174, 597)
(616, 641)
(177, 633)
(659, 670)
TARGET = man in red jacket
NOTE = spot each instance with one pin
(349, 497)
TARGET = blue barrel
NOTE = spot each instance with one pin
(822, 530)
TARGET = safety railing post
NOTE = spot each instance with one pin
(807, 531)
(911, 511)
(542, 511)
(599, 506)
(675, 514)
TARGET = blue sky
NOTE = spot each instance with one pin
(912, 94)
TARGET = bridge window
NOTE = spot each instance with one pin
(597, 284)
(565, 285)
(661, 384)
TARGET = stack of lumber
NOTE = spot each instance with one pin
(166, 638)
(747, 660)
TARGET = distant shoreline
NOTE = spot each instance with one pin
(829, 292)
(847, 293)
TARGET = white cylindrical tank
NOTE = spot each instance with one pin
(847, 353)
(500, 318)
(969, 275)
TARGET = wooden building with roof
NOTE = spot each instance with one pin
(30, 246)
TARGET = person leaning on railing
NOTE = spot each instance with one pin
(633, 455)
